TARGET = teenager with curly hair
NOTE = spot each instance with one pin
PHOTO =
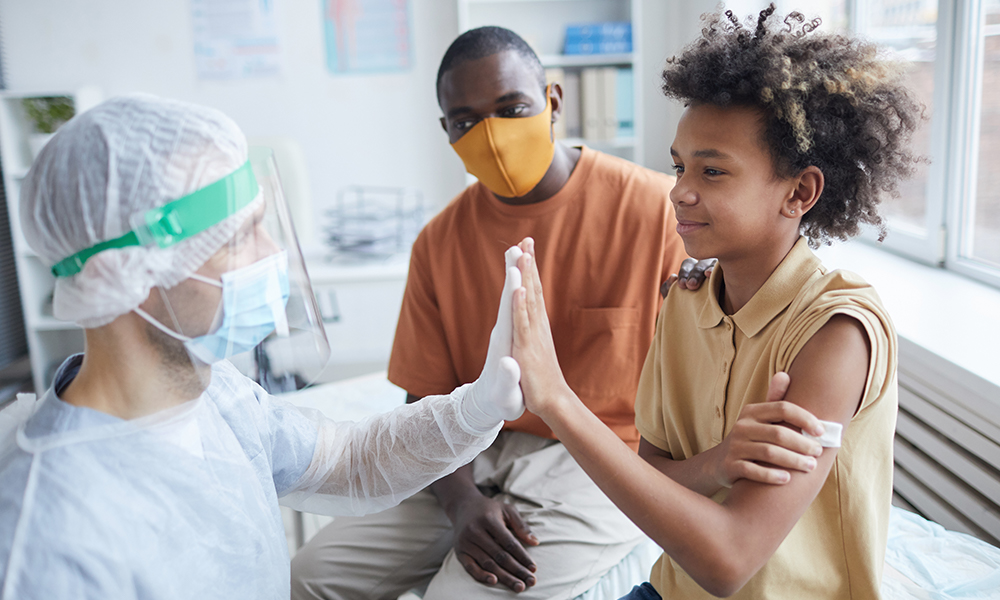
(789, 139)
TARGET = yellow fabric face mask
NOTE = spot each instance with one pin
(509, 156)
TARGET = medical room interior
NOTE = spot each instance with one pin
(343, 94)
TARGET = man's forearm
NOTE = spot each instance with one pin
(453, 489)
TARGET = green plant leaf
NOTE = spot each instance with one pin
(47, 113)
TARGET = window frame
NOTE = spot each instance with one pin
(964, 157)
(950, 190)
(927, 246)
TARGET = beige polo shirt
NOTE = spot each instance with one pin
(704, 365)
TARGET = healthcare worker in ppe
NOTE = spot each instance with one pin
(153, 467)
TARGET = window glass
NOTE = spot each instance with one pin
(985, 213)
(909, 29)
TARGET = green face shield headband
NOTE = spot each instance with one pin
(178, 220)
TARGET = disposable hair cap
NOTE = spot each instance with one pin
(124, 157)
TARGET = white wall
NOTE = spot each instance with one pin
(668, 26)
(357, 129)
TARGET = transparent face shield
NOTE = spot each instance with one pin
(251, 302)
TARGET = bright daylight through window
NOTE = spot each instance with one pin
(984, 229)
(949, 213)
(910, 30)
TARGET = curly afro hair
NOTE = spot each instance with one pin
(826, 100)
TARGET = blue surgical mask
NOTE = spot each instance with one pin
(253, 306)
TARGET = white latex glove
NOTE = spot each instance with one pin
(496, 395)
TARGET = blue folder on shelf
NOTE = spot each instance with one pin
(599, 38)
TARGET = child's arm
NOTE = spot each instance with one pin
(723, 545)
(761, 447)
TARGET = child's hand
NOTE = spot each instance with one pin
(542, 381)
(763, 443)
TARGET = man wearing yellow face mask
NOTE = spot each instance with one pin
(523, 519)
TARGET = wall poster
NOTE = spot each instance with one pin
(235, 39)
(367, 36)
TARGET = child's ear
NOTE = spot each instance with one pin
(808, 188)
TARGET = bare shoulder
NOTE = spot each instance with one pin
(829, 373)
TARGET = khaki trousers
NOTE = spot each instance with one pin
(582, 534)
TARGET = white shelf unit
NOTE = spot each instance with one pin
(542, 23)
(586, 60)
(50, 340)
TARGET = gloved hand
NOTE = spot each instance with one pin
(496, 395)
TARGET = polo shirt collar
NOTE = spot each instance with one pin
(711, 313)
(771, 299)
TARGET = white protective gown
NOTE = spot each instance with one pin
(184, 503)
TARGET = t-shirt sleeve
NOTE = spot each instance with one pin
(420, 362)
(649, 397)
(846, 294)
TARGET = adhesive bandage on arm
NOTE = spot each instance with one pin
(831, 434)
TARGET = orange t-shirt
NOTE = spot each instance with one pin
(603, 244)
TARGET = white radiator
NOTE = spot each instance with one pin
(947, 448)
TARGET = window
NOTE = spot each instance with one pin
(978, 221)
(918, 34)
(949, 213)
(910, 30)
